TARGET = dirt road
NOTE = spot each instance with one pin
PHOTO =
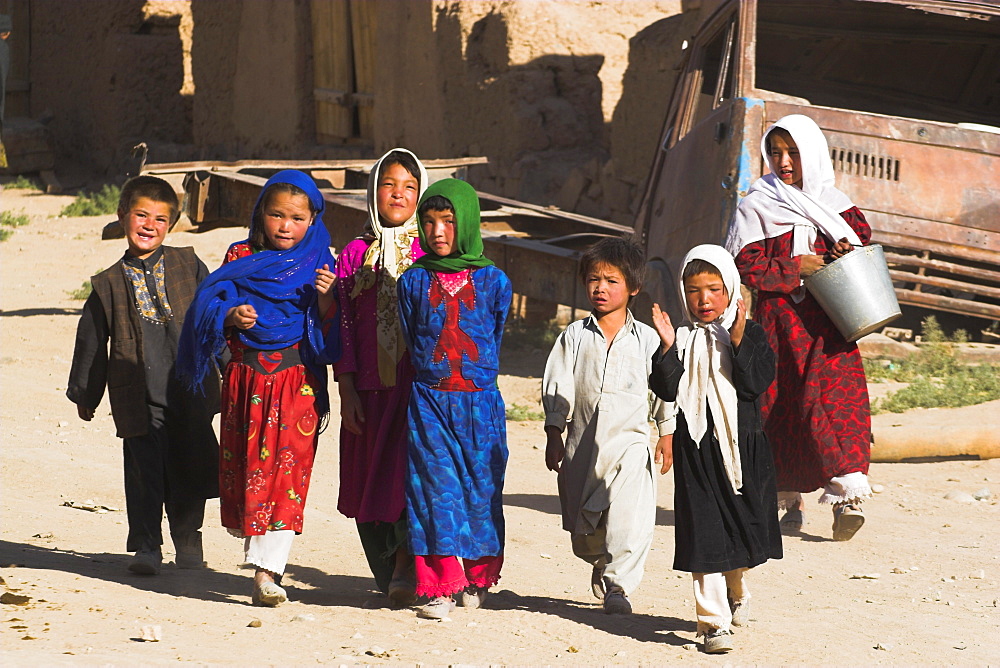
(918, 585)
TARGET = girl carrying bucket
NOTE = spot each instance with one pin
(816, 415)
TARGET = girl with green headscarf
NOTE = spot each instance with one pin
(453, 303)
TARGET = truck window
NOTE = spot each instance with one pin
(716, 83)
(881, 58)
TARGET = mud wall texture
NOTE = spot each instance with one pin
(105, 75)
(565, 97)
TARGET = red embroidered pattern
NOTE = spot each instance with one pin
(453, 342)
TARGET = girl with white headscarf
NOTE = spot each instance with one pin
(816, 415)
(714, 366)
(374, 373)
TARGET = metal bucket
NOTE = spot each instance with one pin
(856, 292)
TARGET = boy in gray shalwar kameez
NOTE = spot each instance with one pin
(596, 387)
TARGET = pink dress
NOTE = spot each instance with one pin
(373, 464)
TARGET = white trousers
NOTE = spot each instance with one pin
(712, 592)
(624, 535)
(269, 551)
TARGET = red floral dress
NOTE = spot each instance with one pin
(816, 413)
(269, 435)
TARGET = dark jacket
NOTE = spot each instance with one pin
(110, 313)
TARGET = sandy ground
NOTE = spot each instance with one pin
(918, 585)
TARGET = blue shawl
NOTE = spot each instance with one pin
(280, 287)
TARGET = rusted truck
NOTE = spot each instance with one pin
(907, 92)
(908, 95)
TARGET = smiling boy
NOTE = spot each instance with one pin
(170, 449)
(596, 389)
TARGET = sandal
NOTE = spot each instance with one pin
(792, 520)
(268, 594)
(597, 582)
(847, 519)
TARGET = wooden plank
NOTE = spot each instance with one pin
(304, 165)
(333, 68)
(940, 265)
(945, 283)
(363, 29)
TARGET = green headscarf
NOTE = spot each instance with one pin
(468, 251)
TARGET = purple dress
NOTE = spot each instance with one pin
(373, 464)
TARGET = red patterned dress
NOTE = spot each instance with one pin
(816, 414)
(269, 435)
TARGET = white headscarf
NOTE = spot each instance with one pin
(390, 251)
(706, 353)
(771, 207)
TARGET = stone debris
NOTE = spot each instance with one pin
(978, 575)
(899, 571)
(304, 617)
(90, 506)
(866, 576)
(545, 556)
(690, 646)
(377, 651)
(8, 598)
(254, 624)
(877, 488)
(982, 494)
(151, 633)
(961, 497)
(885, 646)
(357, 635)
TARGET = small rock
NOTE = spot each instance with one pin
(978, 575)
(151, 633)
(877, 488)
(304, 617)
(885, 646)
(982, 494)
(14, 599)
(690, 646)
(377, 651)
(899, 571)
(961, 497)
(866, 576)
(254, 624)
(357, 635)
(572, 650)
(545, 556)
(62, 424)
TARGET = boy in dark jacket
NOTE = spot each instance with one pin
(170, 448)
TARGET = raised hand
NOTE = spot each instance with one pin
(663, 326)
(739, 325)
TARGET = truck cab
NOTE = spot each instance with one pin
(908, 96)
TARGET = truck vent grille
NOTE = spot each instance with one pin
(864, 164)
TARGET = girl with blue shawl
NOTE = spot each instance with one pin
(272, 302)
(453, 303)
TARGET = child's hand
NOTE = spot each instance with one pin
(661, 321)
(325, 280)
(352, 416)
(243, 316)
(86, 414)
(739, 325)
(810, 264)
(554, 449)
(664, 452)
(841, 248)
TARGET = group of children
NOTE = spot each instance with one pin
(411, 317)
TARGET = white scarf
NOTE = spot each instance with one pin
(772, 208)
(390, 251)
(706, 353)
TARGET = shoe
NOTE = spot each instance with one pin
(437, 608)
(472, 596)
(718, 641)
(268, 594)
(741, 611)
(189, 552)
(792, 520)
(401, 592)
(597, 582)
(847, 519)
(616, 602)
(146, 562)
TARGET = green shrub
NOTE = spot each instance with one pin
(22, 182)
(5, 233)
(519, 413)
(936, 378)
(10, 219)
(81, 292)
(101, 203)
